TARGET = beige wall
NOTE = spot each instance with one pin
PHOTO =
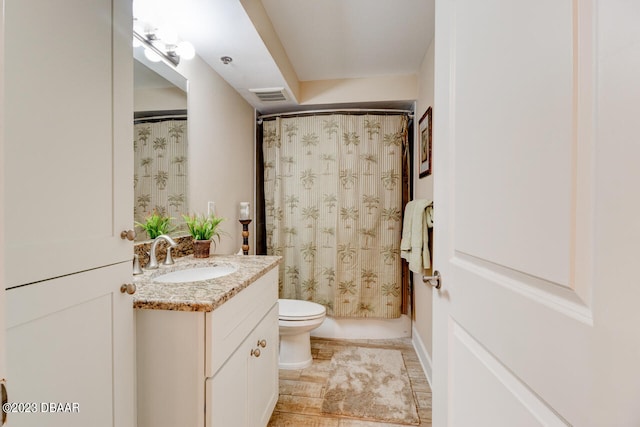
(423, 189)
(372, 89)
(221, 149)
(159, 99)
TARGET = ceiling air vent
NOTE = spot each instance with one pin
(271, 94)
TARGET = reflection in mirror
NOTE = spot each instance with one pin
(160, 143)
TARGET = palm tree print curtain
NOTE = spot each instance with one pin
(160, 170)
(333, 205)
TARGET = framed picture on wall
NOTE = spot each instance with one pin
(425, 143)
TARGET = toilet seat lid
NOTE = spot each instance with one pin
(292, 309)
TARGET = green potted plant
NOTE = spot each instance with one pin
(156, 225)
(204, 230)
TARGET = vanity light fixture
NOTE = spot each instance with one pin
(157, 48)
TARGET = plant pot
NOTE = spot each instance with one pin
(201, 248)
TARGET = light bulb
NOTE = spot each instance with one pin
(152, 56)
(186, 50)
(167, 35)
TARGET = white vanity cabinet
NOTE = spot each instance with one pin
(211, 369)
(244, 391)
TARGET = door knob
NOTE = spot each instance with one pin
(435, 280)
(128, 234)
(255, 352)
(262, 343)
(129, 288)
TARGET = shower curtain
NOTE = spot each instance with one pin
(333, 202)
(160, 174)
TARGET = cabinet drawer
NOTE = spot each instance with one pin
(228, 325)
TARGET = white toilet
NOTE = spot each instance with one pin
(297, 318)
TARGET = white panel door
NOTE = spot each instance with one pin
(70, 341)
(226, 392)
(537, 213)
(68, 131)
(263, 369)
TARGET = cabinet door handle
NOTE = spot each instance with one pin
(128, 234)
(255, 352)
(5, 400)
(262, 343)
(129, 288)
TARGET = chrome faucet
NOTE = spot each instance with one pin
(136, 265)
(153, 261)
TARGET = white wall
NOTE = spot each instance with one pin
(423, 189)
(221, 150)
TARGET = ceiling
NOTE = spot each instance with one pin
(322, 39)
(337, 39)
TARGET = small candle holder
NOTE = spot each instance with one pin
(245, 235)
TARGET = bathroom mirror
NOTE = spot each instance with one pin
(160, 142)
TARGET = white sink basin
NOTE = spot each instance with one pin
(196, 274)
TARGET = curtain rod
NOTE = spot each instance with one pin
(158, 113)
(344, 110)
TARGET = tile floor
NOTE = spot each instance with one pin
(302, 391)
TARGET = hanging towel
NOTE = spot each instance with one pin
(414, 246)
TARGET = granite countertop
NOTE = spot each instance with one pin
(204, 295)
